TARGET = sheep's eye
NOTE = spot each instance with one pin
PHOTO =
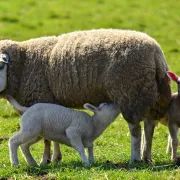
(2, 65)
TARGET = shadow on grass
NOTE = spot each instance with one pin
(43, 171)
(77, 165)
(163, 166)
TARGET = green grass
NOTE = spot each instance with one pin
(21, 20)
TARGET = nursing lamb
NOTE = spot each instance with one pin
(74, 128)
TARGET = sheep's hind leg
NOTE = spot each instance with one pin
(147, 140)
(46, 159)
(25, 150)
(77, 144)
(57, 156)
(135, 130)
(169, 148)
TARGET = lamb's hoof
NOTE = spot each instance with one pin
(15, 165)
(91, 161)
(86, 164)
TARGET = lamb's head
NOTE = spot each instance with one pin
(4, 59)
(105, 112)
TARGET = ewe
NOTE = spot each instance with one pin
(124, 67)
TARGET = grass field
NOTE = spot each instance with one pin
(21, 20)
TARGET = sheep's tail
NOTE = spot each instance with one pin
(163, 82)
(20, 109)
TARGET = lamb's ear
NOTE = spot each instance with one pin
(173, 76)
(90, 107)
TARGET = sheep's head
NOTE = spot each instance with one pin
(10, 52)
(4, 59)
(104, 111)
(175, 78)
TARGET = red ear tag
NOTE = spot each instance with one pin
(173, 76)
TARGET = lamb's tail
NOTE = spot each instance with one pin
(20, 109)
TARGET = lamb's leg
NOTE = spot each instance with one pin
(13, 145)
(91, 154)
(147, 140)
(14, 142)
(77, 144)
(25, 150)
(169, 148)
(135, 130)
(57, 156)
(47, 153)
(173, 130)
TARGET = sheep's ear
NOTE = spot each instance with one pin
(4, 58)
(90, 107)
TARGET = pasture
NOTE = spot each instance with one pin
(22, 20)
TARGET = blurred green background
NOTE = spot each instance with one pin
(24, 19)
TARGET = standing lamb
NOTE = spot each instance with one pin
(173, 118)
(123, 67)
(74, 128)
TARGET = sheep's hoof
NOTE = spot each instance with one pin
(45, 162)
(177, 161)
(148, 161)
(33, 165)
(135, 162)
(57, 159)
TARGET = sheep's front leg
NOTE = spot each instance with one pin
(91, 154)
(135, 130)
(57, 156)
(77, 144)
(47, 153)
(173, 130)
(147, 140)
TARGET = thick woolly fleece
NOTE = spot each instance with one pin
(125, 67)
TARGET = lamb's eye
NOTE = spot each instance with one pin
(2, 65)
